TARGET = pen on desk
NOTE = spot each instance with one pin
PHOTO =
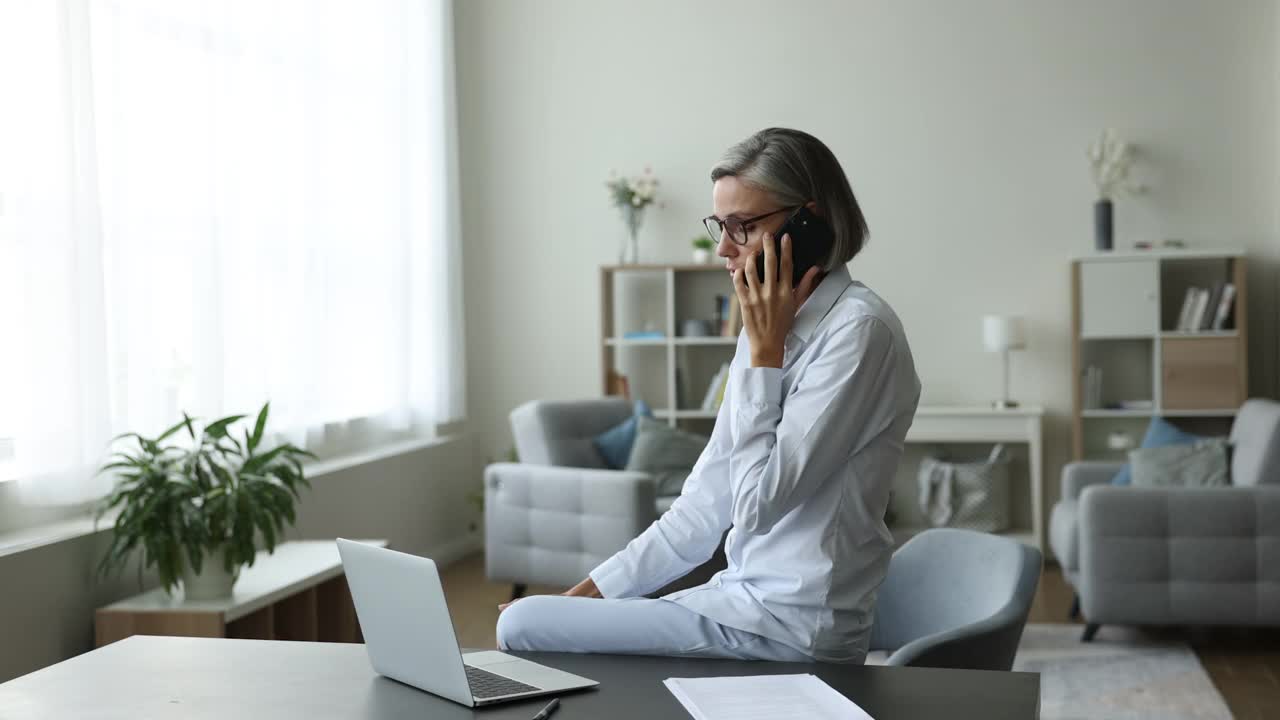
(545, 712)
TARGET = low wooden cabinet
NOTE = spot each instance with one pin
(297, 593)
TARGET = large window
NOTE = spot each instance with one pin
(206, 205)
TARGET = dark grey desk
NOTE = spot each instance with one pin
(169, 677)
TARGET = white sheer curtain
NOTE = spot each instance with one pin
(211, 204)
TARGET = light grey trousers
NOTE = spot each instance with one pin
(633, 626)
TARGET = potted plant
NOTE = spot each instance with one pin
(702, 247)
(199, 511)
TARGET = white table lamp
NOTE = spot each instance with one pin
(1002, 333)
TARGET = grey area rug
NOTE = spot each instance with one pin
(1123, 674)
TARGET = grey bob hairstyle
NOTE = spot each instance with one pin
(795, 167)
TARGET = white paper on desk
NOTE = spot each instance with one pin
(756, 697)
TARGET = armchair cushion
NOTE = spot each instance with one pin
(1203, 464)
(666, 453)
(615, 444)
(1160, 433)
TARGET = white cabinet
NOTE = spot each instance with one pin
(1119, 299)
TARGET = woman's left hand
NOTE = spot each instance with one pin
(769, 309)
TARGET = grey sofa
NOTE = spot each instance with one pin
(558, 513)
(1177, 556)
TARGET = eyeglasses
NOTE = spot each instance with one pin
(736, 228)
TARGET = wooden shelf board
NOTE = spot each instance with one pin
(1200, 334)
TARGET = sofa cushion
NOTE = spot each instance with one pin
(1064, 534)
(1160, 433)
(614, 444)
(666, 453)
(1202, 464)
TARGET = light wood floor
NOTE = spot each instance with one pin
(1243, 663)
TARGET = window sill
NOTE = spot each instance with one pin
(80, 526)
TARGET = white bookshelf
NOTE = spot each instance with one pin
(670, 373)
(1125, 308)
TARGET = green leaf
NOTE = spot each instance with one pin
(165, 435)
(218, 428)
(259, 426)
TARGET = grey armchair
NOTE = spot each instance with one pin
(955, 599)
(559, 512)
(1177, 556)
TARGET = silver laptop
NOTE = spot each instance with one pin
(409, 635)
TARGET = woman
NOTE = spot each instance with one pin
(799, 466)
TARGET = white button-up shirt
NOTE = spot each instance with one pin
(798, 469)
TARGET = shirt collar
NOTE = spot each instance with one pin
(821, 302)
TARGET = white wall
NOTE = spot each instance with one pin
(962, 127)
(417, 500)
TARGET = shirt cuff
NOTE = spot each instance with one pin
(758, 386)
(611, 578)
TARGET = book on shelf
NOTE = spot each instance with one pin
(1184, 316)
(1211, 309)
(1206, 309)
(1197, 301)
(643, 335)
(1202, 303)
(1223, 311)
(1092, 390)
(715, 389)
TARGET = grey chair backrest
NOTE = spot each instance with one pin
(956, 599)
(1255, 443)
(559, 433)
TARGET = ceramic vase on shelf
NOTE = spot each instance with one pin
(701, 256)
(1103, 217)
(629, 251)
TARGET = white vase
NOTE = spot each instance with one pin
(213, 582)
(701, 256)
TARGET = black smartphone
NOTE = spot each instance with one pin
(811, 240)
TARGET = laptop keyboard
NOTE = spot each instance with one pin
(486, 685)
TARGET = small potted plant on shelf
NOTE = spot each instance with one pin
(702, 246)
(199, 511)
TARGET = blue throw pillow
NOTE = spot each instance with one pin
(614, 444)
(1159, 434)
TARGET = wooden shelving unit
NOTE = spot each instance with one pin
(670, 373)
(1124, 311)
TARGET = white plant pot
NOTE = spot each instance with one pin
(701, 257)
(213, 582)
